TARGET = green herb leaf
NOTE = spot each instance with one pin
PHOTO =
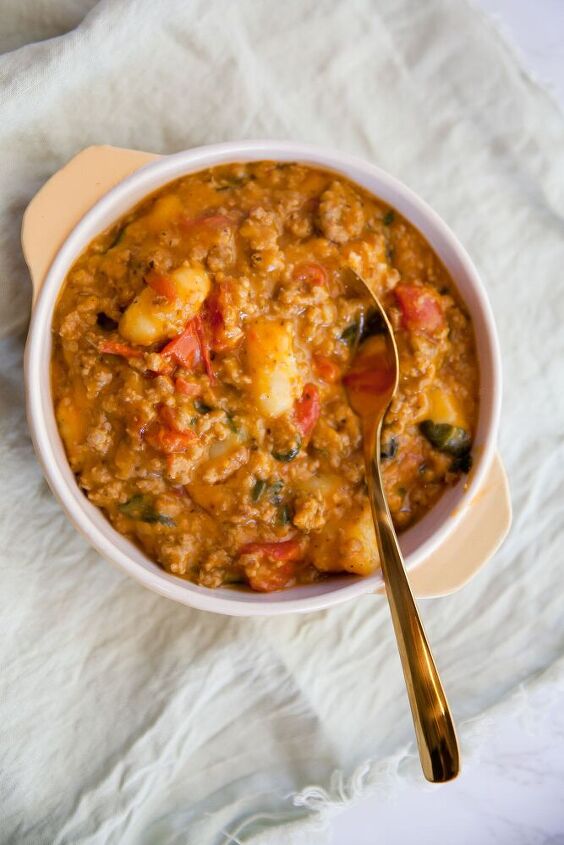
(388, 217)
(141, 508)
(373, 324)
(462, 463)
(117, 239)
(258, 489)
(232, 182)
(352, 334)
(389, 449)
(235, 428)
(201, 407)
(284, 515)
(446, 438)
(151, 516)
(286, 457)
(133, 505)
(274, 491)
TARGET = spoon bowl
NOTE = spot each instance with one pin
(371, 384)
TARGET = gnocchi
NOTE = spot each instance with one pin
(273, 368)
(152, 318)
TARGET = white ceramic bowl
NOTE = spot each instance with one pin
(416, 543)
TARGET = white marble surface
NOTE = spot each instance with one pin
(513, 794)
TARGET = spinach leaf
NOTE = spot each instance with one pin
(258, 489)
(286, 457)
(235, 428)
(285, 515)
(140, 507)
(462, 463)
(388, 449)
(373, 324)
(274, 491)
(201, 407)
(446, 438)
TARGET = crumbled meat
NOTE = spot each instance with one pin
(309, 513)
(341, 216)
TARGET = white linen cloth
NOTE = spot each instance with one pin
(125, 718)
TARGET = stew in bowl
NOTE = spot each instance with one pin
(199, 350)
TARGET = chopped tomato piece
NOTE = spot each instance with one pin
(162, 285)
(307, 409)
(326, 369)
(420, 308)
(187, 388)
(185, 349)
(218, 306)
(267, 576)
(204, 348)
(213, 318)
(275, 568)
(113, 347)
(168, 417)
(191, 347)
(312, 272)
(284, 550)
(213, 221)
(167, 440)
(216, 221)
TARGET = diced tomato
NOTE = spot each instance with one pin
(276, 566)
(213, 317)
(212, 221)
(187, 388)
(161, 284)
(112, 347)
(167, 440)
(284, 550)
(216, 221)
(326, 369)
(217, 305)
(269, 576)
(185, 349)
(421, 310)
(204, 348)
(307, 409)
(168, 417)
(191, 347)
(311, 272)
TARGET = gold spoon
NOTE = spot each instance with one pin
(371, 384)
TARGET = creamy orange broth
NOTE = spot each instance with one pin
(199, 351)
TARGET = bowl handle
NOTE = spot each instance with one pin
(477, 537)
(66, 197)
(73, 190)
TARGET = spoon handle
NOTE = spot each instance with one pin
(434, 728)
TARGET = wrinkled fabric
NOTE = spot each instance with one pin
(126, 718)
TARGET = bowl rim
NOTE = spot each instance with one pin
(40, 412)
